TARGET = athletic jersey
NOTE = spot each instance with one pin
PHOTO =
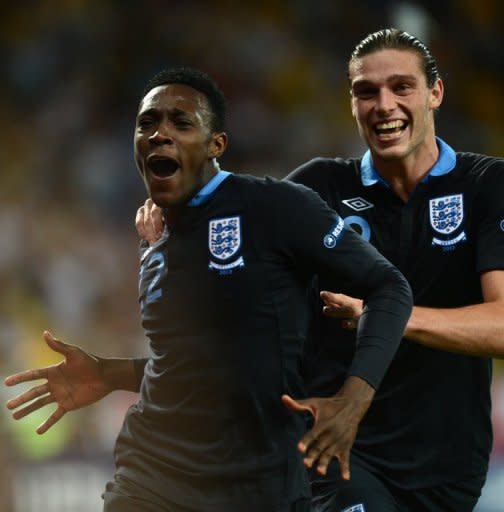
(224, 301)
(430, 420)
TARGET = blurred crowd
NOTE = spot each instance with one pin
(73, 71)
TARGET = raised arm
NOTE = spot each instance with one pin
(79, 380)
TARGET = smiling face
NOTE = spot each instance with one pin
(393, 106)
(174, 144)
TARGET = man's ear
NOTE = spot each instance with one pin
(217, 145)
(436, 94)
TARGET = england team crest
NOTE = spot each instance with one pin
(224, 243)
(446, 215)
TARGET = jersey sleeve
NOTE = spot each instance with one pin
(319, 243)
(489, 219)
(139, 365)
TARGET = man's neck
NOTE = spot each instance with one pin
(174, 212)
(403, 175)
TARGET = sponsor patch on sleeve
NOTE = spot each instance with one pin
(355, 508)
(331, 239)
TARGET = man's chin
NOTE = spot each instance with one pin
(169, 199)
(164, 200)
(391, 152)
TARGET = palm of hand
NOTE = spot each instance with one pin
(76, 381)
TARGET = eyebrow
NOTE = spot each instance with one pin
(174, 112)
(391, 78)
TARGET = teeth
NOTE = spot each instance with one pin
(391, 125)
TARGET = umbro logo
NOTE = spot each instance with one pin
(357, 203)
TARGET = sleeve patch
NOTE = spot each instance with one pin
(334, 235)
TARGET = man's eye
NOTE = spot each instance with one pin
(402, 88)
(145, 122)
(183, 123)
(364, 93)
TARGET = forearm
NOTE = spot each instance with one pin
(476, 330)
(119, 374)
(380, 329)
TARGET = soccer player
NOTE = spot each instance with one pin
(224, 303)
(438, 215)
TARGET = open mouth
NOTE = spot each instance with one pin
(163, 167)
(390, 129)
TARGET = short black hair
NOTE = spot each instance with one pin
(198, 80)
(395, 39)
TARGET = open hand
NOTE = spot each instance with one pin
(336, 420)
(73, 383)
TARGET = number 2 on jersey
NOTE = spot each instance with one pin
(154, 262)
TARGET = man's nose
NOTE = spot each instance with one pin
(162, 135)
(385, 101)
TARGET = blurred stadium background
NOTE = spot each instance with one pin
(72, 74)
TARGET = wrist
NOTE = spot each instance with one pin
(358, 393)
(118, 374)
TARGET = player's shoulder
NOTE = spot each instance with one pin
(270, 193)
(478, 165)
(267, 184)
(321, 171)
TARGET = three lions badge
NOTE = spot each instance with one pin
(224, 243)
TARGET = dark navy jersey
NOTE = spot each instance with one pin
(224, 299)
(430, 420)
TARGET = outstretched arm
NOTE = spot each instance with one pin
(79, 380)
(475, 330)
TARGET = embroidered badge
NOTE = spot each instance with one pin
(332, 237)
(446, 216)
(355, 508)
(224, 243)
(357, 203)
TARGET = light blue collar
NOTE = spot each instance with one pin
(206, 192)
(444, 164)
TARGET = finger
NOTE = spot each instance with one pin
(49, 422)
(27, 396)
(337, 312)
(298, 405)
(149, 229)
(34, 406)
(333, 299)
(324, 460)
(344, 465)
(307, 445)
(320, 446)
(139, 223)
(311, 456)
(57, 345)
(26, 376)
(156, 219)
(326, 457)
